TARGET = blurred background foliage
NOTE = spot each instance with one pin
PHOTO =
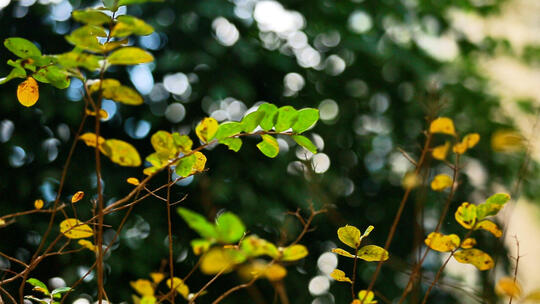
(375, 70)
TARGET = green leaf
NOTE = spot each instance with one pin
(268, 146)
(234, 144)
(38, 284)
(492, 205)
(158, 160)
(15, 73)
(182, 142)
(306, 119)
(198, 223)
(294, 253)
(127, 25)
(163, 142)
(305, 142)
(372, 253)
(252, 121)
(91, 16)
(76, 58)
(228, 129)
(200, 246)
(184, 166)
(350, 236)
(269, 111)
(229, 228)
(59, 291)
(254, 246)
(129, 55)
(54, 75)
(112, 5)
(86, 38)
(286, 116)
(22, 47)
(130, 2)
(121, 153)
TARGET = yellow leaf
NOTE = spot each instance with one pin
(143, 287)
(148, 300)
(121, 152)
(507, 286)
(476, 257)
(206, 129)
(442, 243)
(28, 92)
(87, 244)
(440, 152)
(533, 296)
(275, 272)
(77, 197)
(180, 286)
(132, 180)
(342, 252)
(460, 148)
(200, 162)
(410, 180)
(466, 215)
(102, 113)
(471, 139)
(507, 141)
(366, 297)
(350, 236)
(340, 276)
(217, 259)
(74, 229)
(372, 253)
(489, 226)
(163, 142)
(293, 252)
(2, 222)
(441, 182)
(90, 139)
(38, 204)
(442, 125)
(468, 243)
(157, 277)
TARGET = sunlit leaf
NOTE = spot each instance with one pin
(343, 252)
(442, 243)
(157, 277)
(200, 162)
(293, 253)
(476, 257)
(366, 297)
(229, 227)
(441, 182)
(286, 116)
(440, 152)
(411, 180)
(350, 236)
(252, 121)
(163, 142)
(113, 89)
(492, 205)
(200, 246)
(372, 253)
(133, 180)
(38, 285)
(86, 37)
(233, 144)
(91, 16)
(340, 276)
(275, 272)
(471, 139)
(532, 296)
(38, 204)
(507, 141)
(74, 229)
(269, 114)
(206, 129)
(220, 259)
(54, 75)
(129, 56)
(228, 129)
(184, 166)
(179, 285)
(489, 226)
(443, 125)
(268, 146)
(142, 287)
(90, 139)
(466, 215)
(306, 120)
(77, 197)
(182, 142)
(22, 47)
(305, 142)
(468, 243)
(121, 153)
(254, 246)
(17, 72)
(198, 223)
(87, 244)
(508, 287)
(102, 113)
(57, 292)
(76, 58)
(28, 92)
(127, 25)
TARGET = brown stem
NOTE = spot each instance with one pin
(169, 224)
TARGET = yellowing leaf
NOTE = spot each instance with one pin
(489, 226)
(87, 244)
(293, 253)
(74, 229)
(38, 204)
(157, 277)
(507, 141)
(366, 297)
(77, 197)
(471, 139)
(206, 129)
(442, 243)
(343, 252)
(410, 180)
(508, 287)
(200, 162)
(441, 182)
(133, 180)
(440, 152)
(350, 236)
(476, 257)
(442, 125)
(129, 56)
(260, 268)
(90, 139)
(459, 148)
(163, 142)
(275, 272)
(468, 243)
(28, 92)
(102, 113)
(372, 253)
(466, 215)
(217, 259)
(121, 152)
(340, 276)
(113, 89)
(180, 286)
(143, 287)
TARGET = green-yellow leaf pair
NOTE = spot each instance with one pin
(352, 237)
